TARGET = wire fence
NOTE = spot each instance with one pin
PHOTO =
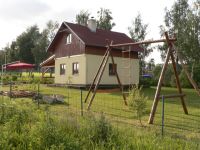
(170, 121)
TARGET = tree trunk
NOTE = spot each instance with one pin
(192, 71)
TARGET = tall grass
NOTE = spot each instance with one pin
(23, 127)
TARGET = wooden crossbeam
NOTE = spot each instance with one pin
(142, 42)
(172, 96)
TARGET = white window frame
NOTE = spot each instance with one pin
(69, 39)
(62, 69)
(75, 68)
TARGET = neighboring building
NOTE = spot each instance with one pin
(77, 52)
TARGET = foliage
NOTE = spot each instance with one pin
(156, 74)
(104, 20)
(183, 21)
(138, 32)
(30, 46)
(185, 83)
(82, 17)
(146, 82)
(138, 102)
(24, 126)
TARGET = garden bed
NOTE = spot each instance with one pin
(18, 94)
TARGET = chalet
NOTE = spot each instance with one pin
(77, 52)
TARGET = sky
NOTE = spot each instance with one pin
(17, 15)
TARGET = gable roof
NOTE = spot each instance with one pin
(100, 38)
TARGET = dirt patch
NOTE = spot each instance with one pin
(18, 94)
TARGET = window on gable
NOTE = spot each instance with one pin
(112, 68)
(69, 39)
(75, 68)
(62, 69)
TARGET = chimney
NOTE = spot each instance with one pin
(92, 24)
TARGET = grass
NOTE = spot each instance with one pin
(181, 128)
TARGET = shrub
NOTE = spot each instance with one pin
(145, 82)
(101, 135)
(47, 81)
(14, 78)
(184, 80)
(49, 134)
(138, 102)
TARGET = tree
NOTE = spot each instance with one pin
(39, 50)
(26, 42)
(82, 17)
(156, 74)
(183, 21)
(50, 30)
(104, 20)
(44, 39)
(138, 32)
(151, 64)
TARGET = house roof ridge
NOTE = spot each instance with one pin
(97, 28)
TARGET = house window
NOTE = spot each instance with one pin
(112, 68)
(69, 39)
(75, 68)
(62, 69)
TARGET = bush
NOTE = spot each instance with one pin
(185, 83)
(47, 81)
(100, 134)
(14, 78)
(145, 82)
(138, 102)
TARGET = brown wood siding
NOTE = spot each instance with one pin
(61, 49)
(116, 52)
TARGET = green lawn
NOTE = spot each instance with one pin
(112, 105)
(177, 124)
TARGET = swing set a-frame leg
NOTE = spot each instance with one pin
(118, 80)
(156, 98)
(157, 95)
(99, 77)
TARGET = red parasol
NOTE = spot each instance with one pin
(19, 65)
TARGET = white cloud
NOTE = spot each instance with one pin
(22, 9)
(17, 15)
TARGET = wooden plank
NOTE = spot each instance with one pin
(99, 78)
(176, 74)
(157, 94)
(142, 42)
(172, 96)
(118, 80)
(94, 80)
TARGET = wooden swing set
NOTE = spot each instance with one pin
(171, 51)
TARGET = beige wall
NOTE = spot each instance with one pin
(128, 70)
(75, 79)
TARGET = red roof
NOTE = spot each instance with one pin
(99, 38)
(19, 65)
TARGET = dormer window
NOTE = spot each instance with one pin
(69, 39)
